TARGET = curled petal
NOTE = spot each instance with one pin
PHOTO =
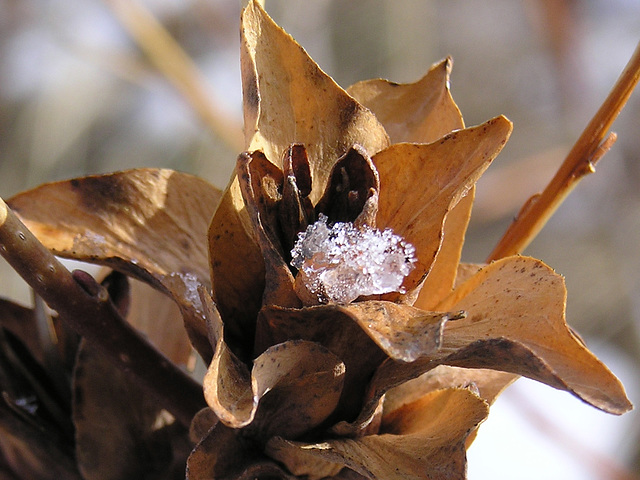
(293, 386)
(516, 308)
(148, 223)
(425, 440)
(420, 184)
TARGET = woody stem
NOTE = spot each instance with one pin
(86, 307)
(588, 149)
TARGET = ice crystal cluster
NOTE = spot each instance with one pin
(342, 262)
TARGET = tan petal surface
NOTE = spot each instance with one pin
(336, 330)
(289, 99)
(419, 112)
(425, 440)
(520, 299)
(237, 269)
(420, 184)
(444, 271)
(149, 223)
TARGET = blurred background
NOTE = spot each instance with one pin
(78, 96)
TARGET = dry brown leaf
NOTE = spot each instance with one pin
(336, 330)
(487, 383)
(419, 112)
(403, 332)
(221, 454)
(446, 170)
(120, 431)
(426, 439)
(149, 223)
(32, 451)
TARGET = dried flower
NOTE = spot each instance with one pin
(307, 377)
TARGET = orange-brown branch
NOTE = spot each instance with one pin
(594, 142)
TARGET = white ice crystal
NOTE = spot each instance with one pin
(343, 262)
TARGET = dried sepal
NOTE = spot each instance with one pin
(146, 222)
(447, 170)
(419, 112)
(425, 439)
(403, 332)
(515, 324)
(444, 271)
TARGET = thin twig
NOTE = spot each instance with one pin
(85, 306)
(173, 62)
(589, 148)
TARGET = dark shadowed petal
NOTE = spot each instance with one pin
(120, 431)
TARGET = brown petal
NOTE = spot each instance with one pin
(160, 319)
(295, 210)
(426, 440)
(337, 331)
(221, 454)
(293, 386)
(419, 112)
(120, 431)
(298, 384)
(487, 383)
(237, 269)
(420, 184)
(149, 223)
(403, 332)
(22, 322)
(32, 451)
(516, 308)
(289, 99)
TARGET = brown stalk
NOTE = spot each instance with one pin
(85, 306)
(589, 148)
(173, 62)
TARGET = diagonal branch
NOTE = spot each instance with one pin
(589, 148)
(85, 305)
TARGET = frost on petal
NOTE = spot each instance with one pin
(340, 263)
